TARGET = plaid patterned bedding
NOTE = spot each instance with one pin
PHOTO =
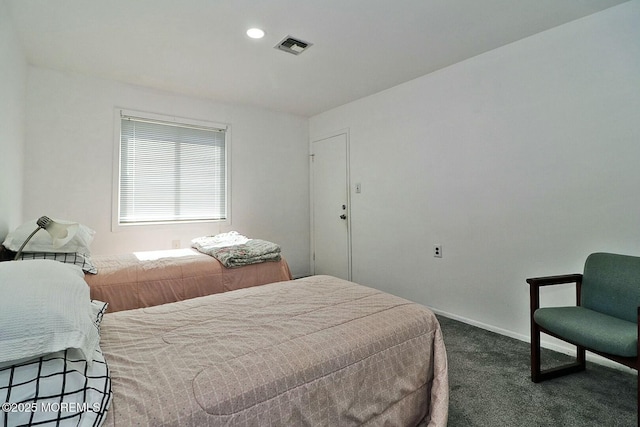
(59, 389)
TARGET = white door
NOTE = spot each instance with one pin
(331, 251)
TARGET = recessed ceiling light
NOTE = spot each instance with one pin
(255, 33)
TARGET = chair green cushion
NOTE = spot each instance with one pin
(590, 329)
(611, 285)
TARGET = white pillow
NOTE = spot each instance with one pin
(45, 307)
(42, 241)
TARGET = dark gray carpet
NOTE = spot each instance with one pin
(490, 385)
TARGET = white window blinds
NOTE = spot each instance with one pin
(171, 172)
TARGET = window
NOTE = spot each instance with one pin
(171, 171)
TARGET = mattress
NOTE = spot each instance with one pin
(145, 279)
(317, 351)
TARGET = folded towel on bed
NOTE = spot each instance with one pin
(243, 252)
(206, 243)
(252, 252)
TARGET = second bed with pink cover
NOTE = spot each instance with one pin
(318, 351)
(145, 279)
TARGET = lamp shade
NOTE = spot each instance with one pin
(61, 233)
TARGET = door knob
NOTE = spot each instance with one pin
(343, 216)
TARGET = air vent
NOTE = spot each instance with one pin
(293, 45)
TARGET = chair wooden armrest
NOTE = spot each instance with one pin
(536, 282)
(555, 280)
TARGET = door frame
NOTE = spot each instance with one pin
(313, 140)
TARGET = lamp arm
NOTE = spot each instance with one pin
(25, 243)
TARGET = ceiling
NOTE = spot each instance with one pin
(199, 47)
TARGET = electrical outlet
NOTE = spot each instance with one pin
(437, 251)
(175, 244)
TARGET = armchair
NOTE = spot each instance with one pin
(604, 321)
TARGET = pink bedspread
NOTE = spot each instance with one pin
(317, 351)
(131, 281)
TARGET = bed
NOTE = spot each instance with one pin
(214, 264)
(313, 351)
(317, 351)
(145, 279)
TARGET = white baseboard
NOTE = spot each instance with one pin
(569, 350)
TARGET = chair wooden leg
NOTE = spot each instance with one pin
(537, 374)
(535, 352)
(581, 358)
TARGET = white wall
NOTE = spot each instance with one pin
(520, 162)
(13, 79)
(70, 143)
